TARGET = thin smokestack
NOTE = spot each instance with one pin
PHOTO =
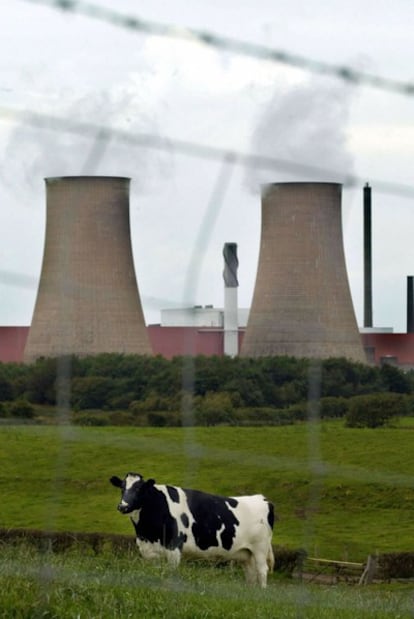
(410, 304)
(367, 258)
(231, 327)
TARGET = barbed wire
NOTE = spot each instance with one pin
(243, 48)
(195, 149)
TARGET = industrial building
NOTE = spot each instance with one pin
(88, 300)
(170, 341)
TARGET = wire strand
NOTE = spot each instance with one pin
(195, 149)
(235, 46)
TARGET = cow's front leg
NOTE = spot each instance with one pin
(173, 557)
(150, 551)
(154, 551)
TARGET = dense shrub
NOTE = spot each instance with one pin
(213, 409)
(113, 381)
(152, 402)
(123, 418)
(331, 407)
(343, 378)
(90, 418)
(409, 399)
(156, 419)
(91, 392)
(394, 379)
(6, 389)
(62, 541)
(159, 419)
(40, 384)
(120, 402)
(21, 409)
(396, 565)
(299, 411)
(287, 560)
(375, 410)
(260, 416)
(139, 413)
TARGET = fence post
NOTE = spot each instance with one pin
(369, 572)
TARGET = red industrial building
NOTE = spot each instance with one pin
(170, 341)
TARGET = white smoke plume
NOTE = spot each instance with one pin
(34, 152)
(306, 126)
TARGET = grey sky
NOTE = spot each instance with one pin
(84, 70)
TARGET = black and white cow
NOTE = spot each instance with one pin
(170, 522)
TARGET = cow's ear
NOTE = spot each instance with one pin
(115, 481)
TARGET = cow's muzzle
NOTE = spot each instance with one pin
(124, 508)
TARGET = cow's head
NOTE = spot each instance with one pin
(133, 491)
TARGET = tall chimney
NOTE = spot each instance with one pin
(410, 304)
(367, 258)
(302, 304)
(88, 300)
(231, 326)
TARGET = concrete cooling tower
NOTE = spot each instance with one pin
(88, 300)
(302, 304)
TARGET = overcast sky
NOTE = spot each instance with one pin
(79, 68)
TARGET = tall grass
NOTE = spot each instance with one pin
(339, 493)
(76, 584)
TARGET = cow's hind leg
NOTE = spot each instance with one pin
(250, 571)
(263, 562)
(256, 568)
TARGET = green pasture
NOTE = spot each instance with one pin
(340, 493)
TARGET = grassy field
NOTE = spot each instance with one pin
(80, 585)
(340, 493)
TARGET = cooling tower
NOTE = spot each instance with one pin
(88, 300)
(302, 303)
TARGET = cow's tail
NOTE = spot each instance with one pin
(270, 559)
(271, 517)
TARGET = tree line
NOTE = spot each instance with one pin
(202, 390)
